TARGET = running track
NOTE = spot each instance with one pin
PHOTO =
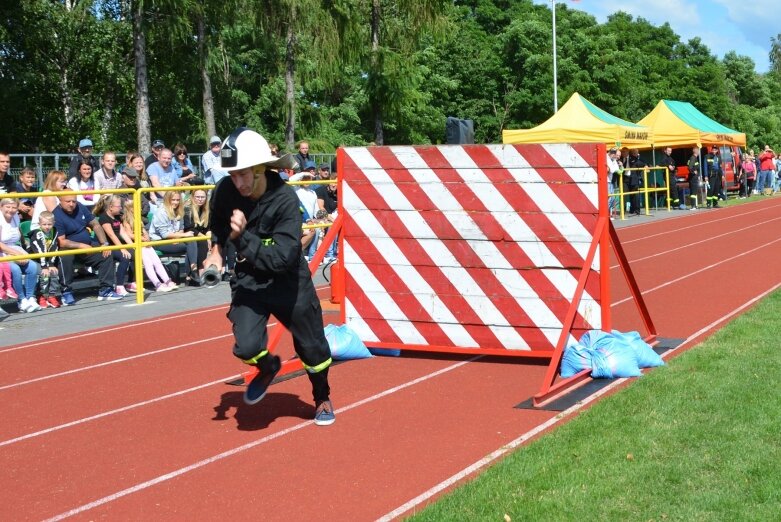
(136, 422)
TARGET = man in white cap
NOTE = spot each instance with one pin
(210, 163)
(259, 213)
(85, 152)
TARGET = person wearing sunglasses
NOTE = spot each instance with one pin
(259, 213)
(183, 167)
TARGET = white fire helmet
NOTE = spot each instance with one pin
(246, 148)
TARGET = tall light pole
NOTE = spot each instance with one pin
(555, 88)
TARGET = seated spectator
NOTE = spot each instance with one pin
(6, 281)
(84, 180)
(24, 273)
(162, 173)
(44, 240)
(136, 162)
(72, 219)
(109, 212)
(308, 198)
(153, 267)
(324, 172)
(184, 168)
(157, 148)
(107, 176)
(55, 181)
(327, 202)
(210, 162)
(6, 180)
(26, 183)
(303, 158)
(168, 223)
(130, 180)
(84, 156)
(196, 219)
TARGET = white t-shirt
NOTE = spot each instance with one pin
(88, 200)
(9, 232)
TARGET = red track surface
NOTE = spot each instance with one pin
(136, 423)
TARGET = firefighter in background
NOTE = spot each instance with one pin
(695, 174)
(667, 161)
(713, 175)
(259, 213)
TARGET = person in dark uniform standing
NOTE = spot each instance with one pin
(259, 213)
(695, 174)
(713, 173)
(669, 163)
(636, 180)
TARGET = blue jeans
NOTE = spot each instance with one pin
(30, 271)
(765, 180)
(332, 247)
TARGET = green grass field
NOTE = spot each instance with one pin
(695, 440)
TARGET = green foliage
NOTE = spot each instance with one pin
(69, 69)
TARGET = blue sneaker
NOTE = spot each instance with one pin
(324, 414)
(68, 299)
(109, 295)
(258, 386)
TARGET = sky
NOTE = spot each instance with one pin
(743, 26)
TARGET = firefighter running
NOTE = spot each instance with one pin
(259, 213)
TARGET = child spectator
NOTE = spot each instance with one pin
(26, 183)
(6, 284)
(44, 240)
(109, 212)
(153, 267)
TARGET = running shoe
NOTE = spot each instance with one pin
(109, 295)
(68, 299)
(324, 413)
(258, 386)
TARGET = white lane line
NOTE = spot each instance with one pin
(703, 269)
(114, 361)
(471, 469)
(704, 240)
(731, 217)
(50, 340)
(220, 456)
(114, 412)
(112, 329)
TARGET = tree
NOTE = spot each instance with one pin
(775, 53)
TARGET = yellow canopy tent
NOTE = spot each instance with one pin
(579, 121)
(678, 124)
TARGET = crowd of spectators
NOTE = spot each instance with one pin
(703, 182)
(56, 224)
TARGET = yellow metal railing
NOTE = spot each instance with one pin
(138, 244)
(645, 189)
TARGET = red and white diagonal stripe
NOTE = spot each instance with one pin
(475, 246)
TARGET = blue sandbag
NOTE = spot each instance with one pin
(576, 358)
(613, 355)
(345, 343)
(646, 356)
(620, 359)
(387, 352)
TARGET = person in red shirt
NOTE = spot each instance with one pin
(767, 170)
